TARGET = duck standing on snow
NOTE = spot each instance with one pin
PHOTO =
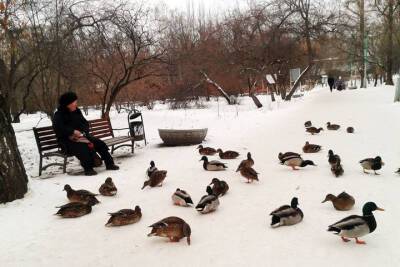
(108, 188)
(219, 187)
(213, 165)
(282, 156)
(181, 198)
(335, 162)
(208, 203)
(341, 202)
(249, 162)
(206, 151)
(307, 124)
(332, 127)
(229, 154)
(296, 161)
(172, 227)
(249, 173)
(82, 196)
(311, 148)
(314, 130)
(372, 164)
(287, 215)
(156, 179)
(124, 217)
(350, 129)
(356, 226)
(151, 169)
(74, 209)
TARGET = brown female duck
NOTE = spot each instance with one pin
(249, 173)
(82, 196)
(108, 188)
(249, 162)
(156, 179)
(332, 127)
(125, 217)
(229, 154)
(341, 202)
(314, 130)
(219, 187)
(206, 151)
(74, 209)
(172, 227)
(311, 148)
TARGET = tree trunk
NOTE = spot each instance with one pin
(362, 36)
(219, 88)
(297, 83)
(13, 179)
(390, 32)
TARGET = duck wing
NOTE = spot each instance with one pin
(85, 193)
(123, 212)
(347, 223)
(280, 209)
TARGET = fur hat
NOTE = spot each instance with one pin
(67, 98)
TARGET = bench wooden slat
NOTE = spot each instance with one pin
(47, 137)
(44, 148)
(43, 129)
(117, 140)
(49, 142)
(97, 120)
(93, 124)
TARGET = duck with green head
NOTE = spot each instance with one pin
(356, 226)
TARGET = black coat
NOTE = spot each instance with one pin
(65, 122)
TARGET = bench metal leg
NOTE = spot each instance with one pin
(65, 164)
(133, 146)
(40, 165)
(112, 149)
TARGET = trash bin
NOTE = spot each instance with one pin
(136, 126)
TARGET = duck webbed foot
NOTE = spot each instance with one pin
(360, 242)
(345, 239)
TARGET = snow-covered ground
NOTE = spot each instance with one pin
(238, 233)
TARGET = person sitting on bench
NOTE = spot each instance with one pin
(72, 131)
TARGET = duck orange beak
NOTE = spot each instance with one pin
(380, 209)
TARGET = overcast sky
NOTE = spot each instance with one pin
(218, 6)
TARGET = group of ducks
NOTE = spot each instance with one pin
(353, 226)
(294, 160)
(175, 228)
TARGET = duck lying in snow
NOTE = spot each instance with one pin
(287, 215)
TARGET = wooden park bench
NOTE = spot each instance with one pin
(100, 128)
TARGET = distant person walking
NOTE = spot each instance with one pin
(340, 84)
(331, 82)
(72, 131)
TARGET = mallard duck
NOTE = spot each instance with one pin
(333, 159)
(229, 154)
(332, 127)
(206, 151)
(372, 164)
(208, 203)
(282, 156)
(314, 130)
(287, 215)
(249, 162)
(219, 187)
(172, 227)
(181, 198)
(398, 171)
(341, 202)
(213, 165)
(151, 169)
(307, 124)
(356, 226)
(124, 217)
(350, 129)
(74, 209)
(249, 173)
(82, 196)
(156, 179)
(311, 148)
(108, 188)
(296, 161)
(337, 169)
